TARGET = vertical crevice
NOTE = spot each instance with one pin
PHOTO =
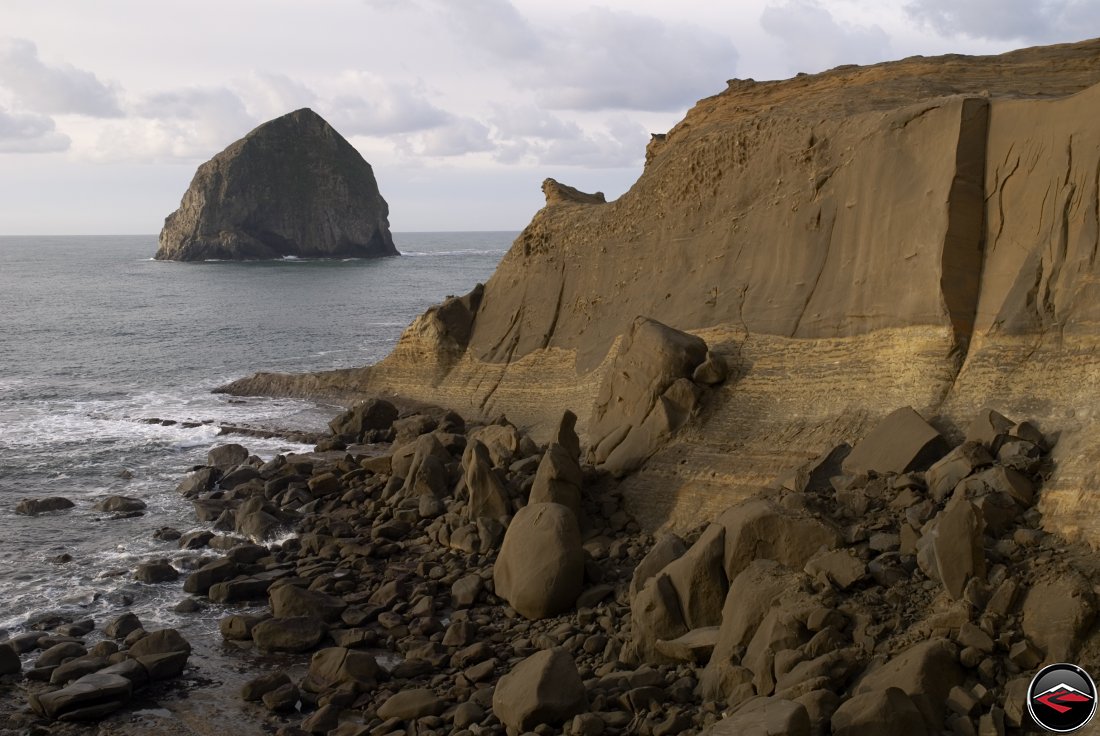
(964, 242)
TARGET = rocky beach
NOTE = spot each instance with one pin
(797, 436)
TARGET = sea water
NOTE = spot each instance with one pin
(96, 339)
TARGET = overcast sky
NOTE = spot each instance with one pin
(463, 107)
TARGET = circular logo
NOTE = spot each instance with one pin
(1061, 698)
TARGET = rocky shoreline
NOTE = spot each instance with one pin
(450, 577)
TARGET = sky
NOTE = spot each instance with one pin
(462, 107)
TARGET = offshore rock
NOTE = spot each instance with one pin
(291, 187)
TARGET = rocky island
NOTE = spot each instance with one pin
(292, 187)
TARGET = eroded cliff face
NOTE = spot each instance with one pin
(921, 233)
(291, 187)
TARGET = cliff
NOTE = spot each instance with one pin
(921, 232)
(291, 187)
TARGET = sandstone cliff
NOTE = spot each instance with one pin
(921, 232)
(291, 187)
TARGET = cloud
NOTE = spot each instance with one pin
(30, 133)
(54, 89)
(607, 59)
(494, 27)
(1025, 20)
(528, 134)
(266, 95)
(816, 41)
(528, 120)
(458, 137)
(370, 105)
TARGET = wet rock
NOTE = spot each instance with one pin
(158, 571)
(198, 482)
(58, 653)
(288, 601)
(238, 626)
(900, 443)
(225, 457)
(162, 641)
(409, 705)
(76, 668)
(337, 666)
(91, 697)
(122, 626)
(218, 571)
(259, 686)
(888, 712)
(544, 688)
(119, 504)
(1057, 613)
(9, 660)
(323, 720)
(297, 634)
(282, 699)
(540, 568)
(34, 506)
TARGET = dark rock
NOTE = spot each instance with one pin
(667, 548)
(487, 495)
(699, 578)
(224, 457)
(91, 697)
(158, 571)
(540, 568)
(218, 571)
(544, 688)
(199, 482)
(76, 668)
(900, 443)
(363, 417)
(338, 666)
(1057, 613)
(122, 626)
(9, 660)
(238, 626)
(298, 634)
(162, 641)
(58, 653)
(761, 529)
(927, 670)
(282, 699)
(163, 665)
(259, 686)
(409, 705)
(288, 601)
(34, 506)
(324, 720)
(946, 472)
(117, 504)
(764, 716)
(888, 712)
(291, 187)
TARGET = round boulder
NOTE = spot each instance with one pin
(540, 569)
(544, 688)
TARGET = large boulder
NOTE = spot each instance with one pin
(291, 187)
(296, 634)
(540, 568)
(225, 457)
(88, 698)
(34, 506)
(699, 579)
(762, 529)
(764, 717)
(558, 479)
(544, 688)
(341, 667)
(642, 400)
(289, 601)
(364, 417)
(487, 496)
(667, 548)
(900, 443)
(926, 672)
(1057, 613)
(888, 712)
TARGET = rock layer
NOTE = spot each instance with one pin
(291, 187)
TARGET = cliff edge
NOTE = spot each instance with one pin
(921, 232)
(291, 187)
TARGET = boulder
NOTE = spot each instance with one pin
(119, 504)
(260, 685)
(363, 417)
(218, 571)
(540, 567)
(544, 688)
(667, 548)
(122, 626)
(838, 567)
(162, 641)
(814, 475)
(501, 441)
(224, 457)
(926, 670)
(957, 546)
(158, 571)
(694, 647)
(888, 712)
(297, 634)
(634, 409)
(764, 717)
(558, 479)
(289, 601)
(198, 482)
(761, 529)
(291, 187)
(90, 697)
(987, 426)
(1057, 614)
(409, 705)
(34, 506)
(9, 660)
(946, 472)
(900, 443)
(699, 578)
(655, 615)
(341, 667)
(487, 495)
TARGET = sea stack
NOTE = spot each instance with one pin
(291, 187)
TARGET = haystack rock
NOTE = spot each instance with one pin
(919, 233)
(291, 187)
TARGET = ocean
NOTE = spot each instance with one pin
(96, 339)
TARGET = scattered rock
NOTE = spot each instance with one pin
(34, 506)
(545, 688)
(899, 443)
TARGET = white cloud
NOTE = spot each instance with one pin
(30, 133)
(267, 95)
(367, 104)
(56, 89)
(816, 41)
(459, 137)
(1035, 21)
